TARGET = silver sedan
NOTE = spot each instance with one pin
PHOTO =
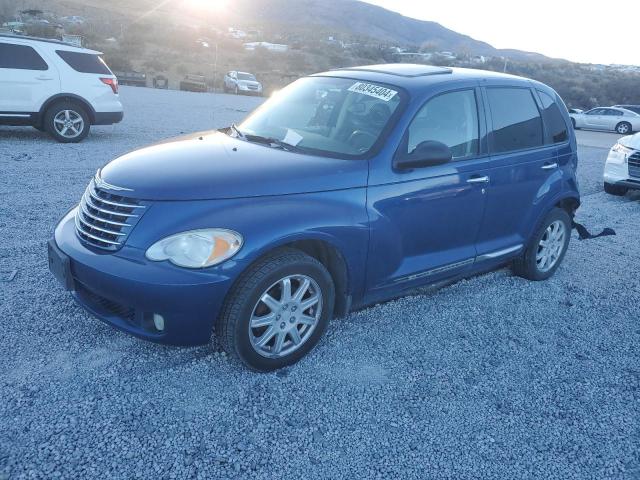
(607, 118)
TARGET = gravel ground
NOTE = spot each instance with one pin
(492, 377)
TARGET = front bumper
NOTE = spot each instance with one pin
(124, 289)
(618, 174)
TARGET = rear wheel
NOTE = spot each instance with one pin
(547, 247)
(617, 190)
(277, 311)
(67, 122)
(623, 128)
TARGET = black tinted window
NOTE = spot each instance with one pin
(516, 120)
(613, 113)
(553, 120)
(450, 118)
(21, 57)
(84, 62)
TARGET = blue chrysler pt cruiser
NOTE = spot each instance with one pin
(345, 189)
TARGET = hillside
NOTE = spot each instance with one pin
(342, 16)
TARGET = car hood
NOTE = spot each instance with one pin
(212, 165)
(631, 141)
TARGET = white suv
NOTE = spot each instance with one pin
(56, 87)
(622, 168)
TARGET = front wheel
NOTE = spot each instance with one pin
(67, 122)
(547, 247)
(573, 122)
(277, 311)
(623, 128)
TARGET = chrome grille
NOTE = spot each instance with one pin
(634, 164)
(104, 220)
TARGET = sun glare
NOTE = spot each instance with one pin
(210, 5)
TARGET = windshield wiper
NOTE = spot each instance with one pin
(272, 141)
(239, 133)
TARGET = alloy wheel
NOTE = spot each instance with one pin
(285, 316)
(68, 123)
(551, 245)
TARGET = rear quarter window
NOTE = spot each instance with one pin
(84, 62)
(21, 57)
(517, 124)
(554, 121)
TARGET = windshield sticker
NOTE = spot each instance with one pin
(372, 90)
(292, 138)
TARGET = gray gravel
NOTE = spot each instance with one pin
(492, 377)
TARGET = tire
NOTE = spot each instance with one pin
(623, 128)
(244, 303)
(236, 90)
(76, 130)
(617, 190)
(573, 122)
(528, 265)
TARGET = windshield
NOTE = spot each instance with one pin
(322, 115)
(245, 76)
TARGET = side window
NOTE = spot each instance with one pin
(516, 120)
(553, 119)
(596, 111)
(84, 62)
(450, 118)
(21, 57)
(614, 113)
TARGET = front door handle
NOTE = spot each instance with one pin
(484, 179)
(549, 166)
(44, 78)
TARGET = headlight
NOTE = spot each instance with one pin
(619, 154)
(197, 248)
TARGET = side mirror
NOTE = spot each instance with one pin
(426, 154)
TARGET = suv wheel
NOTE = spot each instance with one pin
(67, 122)
(623, 128)
(612, 189)
(277, 311)
(547, 247)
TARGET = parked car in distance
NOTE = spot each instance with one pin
(160, 81)
(575, 110)
(633, 108)
(133, 79)
(55, 87)
(193, 83)
(607, 118)
(242, 82)
(622, 168)
(346, 189)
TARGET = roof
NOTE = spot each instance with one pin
(407, 70)
(46, 41)
(416, 77)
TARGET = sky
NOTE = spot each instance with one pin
(581, 31)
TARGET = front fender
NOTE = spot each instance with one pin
(338, 218)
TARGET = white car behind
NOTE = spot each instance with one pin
(612, 119)
(56, 87)
(622, 168)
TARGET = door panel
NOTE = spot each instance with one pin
(425, 230)
(425, 222)
(519, 184)
(27, 78)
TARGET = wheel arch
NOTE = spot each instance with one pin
(328, 254)
(68, 97)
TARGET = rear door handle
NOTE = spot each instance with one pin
(477, 179)
(549, 166)
(44, 78)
